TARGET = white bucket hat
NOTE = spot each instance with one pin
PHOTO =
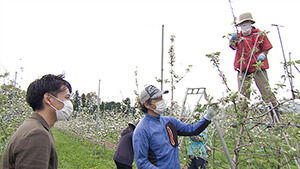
(245, 17)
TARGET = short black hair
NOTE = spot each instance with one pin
(49, 83)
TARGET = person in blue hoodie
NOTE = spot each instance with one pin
(124, 155)
(155, 141)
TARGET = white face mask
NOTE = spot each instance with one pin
(160, 107)
(65, 112)
(246, 28)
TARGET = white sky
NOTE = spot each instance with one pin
(96, 39)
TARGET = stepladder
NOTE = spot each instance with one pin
(201, 92)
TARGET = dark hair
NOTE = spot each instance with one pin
(47, 84)
(143, 107)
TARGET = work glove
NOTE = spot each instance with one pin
(211, 111)
(261, 57)
(234, 37)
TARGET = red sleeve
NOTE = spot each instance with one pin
(266, 45)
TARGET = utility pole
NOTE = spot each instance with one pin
(285, 65)
(98, 112)
(162, 58)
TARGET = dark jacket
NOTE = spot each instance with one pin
(124, 152)
(31, 146)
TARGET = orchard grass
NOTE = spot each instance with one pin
(78, 153)
(74, 152)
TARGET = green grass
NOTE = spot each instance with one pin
(76, 153)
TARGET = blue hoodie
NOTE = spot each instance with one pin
(155, 141)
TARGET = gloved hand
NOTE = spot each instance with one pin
(261, 57)
(211, 111)
(234, 37)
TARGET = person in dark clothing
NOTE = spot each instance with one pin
(124, 155)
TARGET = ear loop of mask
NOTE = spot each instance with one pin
(57, 100)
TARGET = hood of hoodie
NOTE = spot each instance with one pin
(126, 131)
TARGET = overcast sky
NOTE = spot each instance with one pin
(92, 40)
